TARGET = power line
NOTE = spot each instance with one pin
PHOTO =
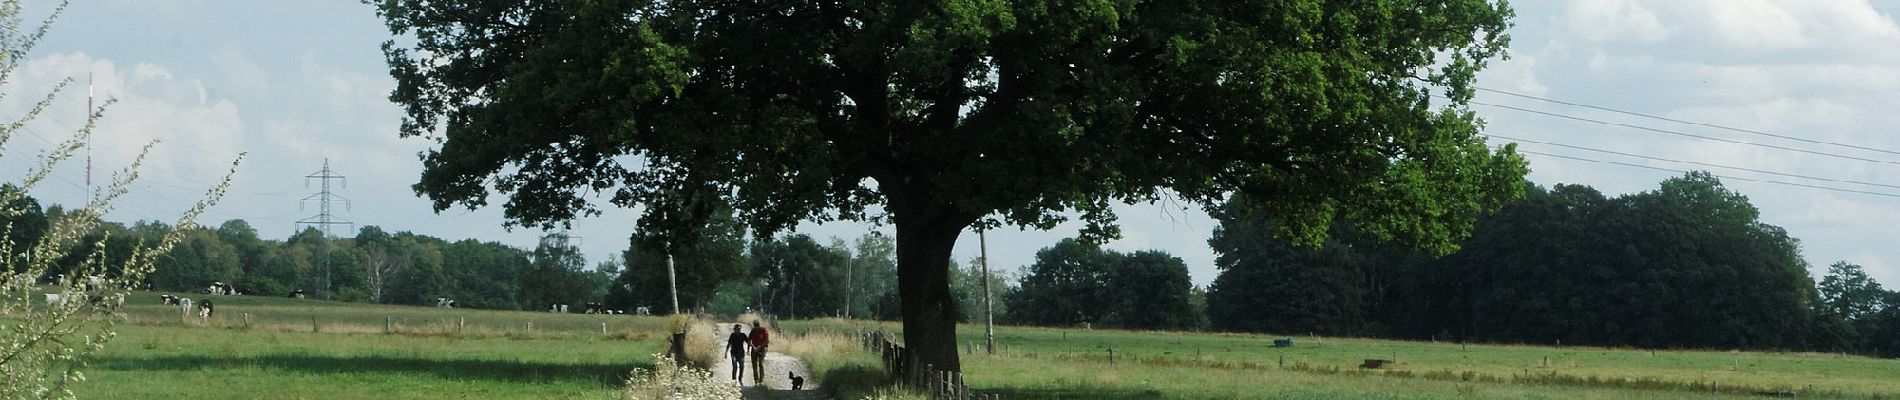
(1693, 162)
(1712, 174)
(1685, 134)
(1702, 124)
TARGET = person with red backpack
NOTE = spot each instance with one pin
(759, 338)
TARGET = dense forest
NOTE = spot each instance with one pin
(1687, 265)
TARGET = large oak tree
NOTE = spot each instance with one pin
(935, 115)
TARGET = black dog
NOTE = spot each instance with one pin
(798, 383)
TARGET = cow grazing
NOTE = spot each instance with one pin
(444, 302)
(95, 282)
(642, 310)
(296, 294)
(184, 306)
(55, 300)
(595, 308)
(221, 289)
(205, 309)
(169, 300)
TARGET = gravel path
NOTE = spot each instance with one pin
(778, 383)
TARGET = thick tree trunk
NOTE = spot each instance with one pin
(923, 284)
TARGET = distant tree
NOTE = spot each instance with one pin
(733, 297)
(1150, 289)
(1881, 330)
(380, 263)
(1074, 282)
(484, 275)
(1065, 286)
(22, 220)
(713, 258)
(874, 276)
(556, 275)
(966, 284)
(1272, 285)
(420, 277)
(199, 259)
(1197, 299)
(1846, 291)
(1688, 264)
(801, 278)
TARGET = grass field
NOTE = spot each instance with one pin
(316, 349)
(433, 355)
(1073, 363)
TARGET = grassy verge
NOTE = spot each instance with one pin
(1073, 363)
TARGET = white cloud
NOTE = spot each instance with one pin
(1754, 24)
(240, 71)
(1615, 20)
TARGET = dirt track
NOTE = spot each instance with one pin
(778, 384)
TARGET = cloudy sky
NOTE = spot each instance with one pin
(297, 82)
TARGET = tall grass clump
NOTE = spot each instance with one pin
(703, 340)
(844, 369)
(669, 380)
(44, 346)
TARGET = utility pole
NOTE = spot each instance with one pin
(989, 309)
(88, 135)
(847, 285)
(323, 220)
(672, 283)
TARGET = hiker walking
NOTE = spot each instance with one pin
(735, 344)
(759, 339)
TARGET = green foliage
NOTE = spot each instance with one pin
(558, 276)
(966, 285)
(700, 267)
(1847, 292)
(800, 278)
(946, 113)
(1075, 282)
(1272, 285)
(21, 218)
(874, 277)
(49, 332)
(1686, 265)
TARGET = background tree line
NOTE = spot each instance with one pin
(1688, 264)
(722, 271)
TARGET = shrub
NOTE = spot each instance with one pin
(669, 380)
(44, 346)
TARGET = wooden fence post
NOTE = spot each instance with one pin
(247, 320)
(388, 323)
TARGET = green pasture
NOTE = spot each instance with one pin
(1074, 363)
(496, 355)
(294, 348)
